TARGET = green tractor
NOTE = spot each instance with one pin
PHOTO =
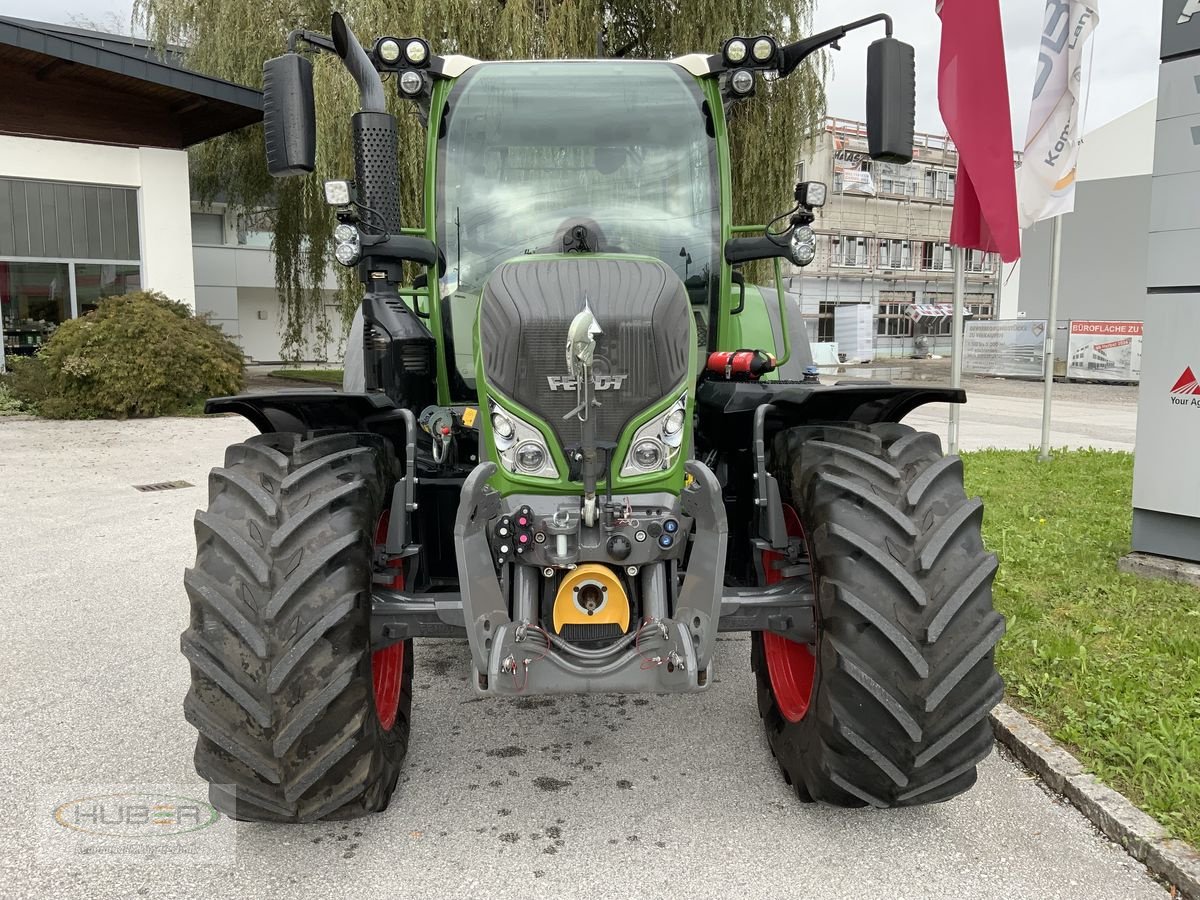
(577, 438)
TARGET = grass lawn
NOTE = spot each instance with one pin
(320, 376)
(1108, 663)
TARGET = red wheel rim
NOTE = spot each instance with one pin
(791, 667)
(387, 665)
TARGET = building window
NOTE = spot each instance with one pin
(895, 254)
(936, 257)
(939, 184)
(825, 322)
(95, 281)
(63, 247)
(208, 228)
(849, 252)
(255, 230)
(893, 319)
(979, 261)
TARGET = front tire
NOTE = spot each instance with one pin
(282, 689)
(894, 711)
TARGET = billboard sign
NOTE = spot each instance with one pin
(1105, 351)
(1010, 347)
(1180, 28)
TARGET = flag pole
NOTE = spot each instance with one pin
(956, 336)
(1051, 333)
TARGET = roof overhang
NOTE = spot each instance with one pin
(74, 85)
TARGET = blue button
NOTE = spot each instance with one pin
(670, 526)
(666, 541)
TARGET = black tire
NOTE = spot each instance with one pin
(905, 675)
(278, 640)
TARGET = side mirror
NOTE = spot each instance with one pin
(891, 100)
(289, 115)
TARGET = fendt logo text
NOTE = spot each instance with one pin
(599, 382)
(1192, 8)
(1187, 389)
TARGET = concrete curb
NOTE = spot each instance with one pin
(1142, 837)
(1149, 566)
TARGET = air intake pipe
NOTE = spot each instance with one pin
(374, 132)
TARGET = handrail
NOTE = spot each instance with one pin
(782, 359)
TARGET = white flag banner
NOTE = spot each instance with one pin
(1046, 181)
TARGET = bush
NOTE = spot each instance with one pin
(137, 355)
(9, 405)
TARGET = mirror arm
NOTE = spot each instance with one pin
(749, 249)
(793, 54)
(320, 41)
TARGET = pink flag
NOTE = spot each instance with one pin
(973, 95)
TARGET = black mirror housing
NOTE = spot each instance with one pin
(289, 115)
(891, 100)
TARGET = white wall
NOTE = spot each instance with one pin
(259, 337)
(161, 177)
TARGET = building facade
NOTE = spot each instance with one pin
(94, 190)
(883, 241)
(235, 285)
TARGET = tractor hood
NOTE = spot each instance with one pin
(643, 352)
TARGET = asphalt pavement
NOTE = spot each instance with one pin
(602, 796)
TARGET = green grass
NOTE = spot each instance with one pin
(1108, 663)
(320, 376)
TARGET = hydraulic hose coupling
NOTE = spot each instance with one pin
(740, 365)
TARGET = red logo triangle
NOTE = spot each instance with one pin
(1187, 383)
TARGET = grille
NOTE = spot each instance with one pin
(642, 309)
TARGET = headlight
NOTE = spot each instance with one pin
(656, 444)
(742, 81)
(648, 455)
(735, 51)
(674, 421)
(522, 447)
(502, 425)
(344, 233)
(531, 457)
(802, 249)
(411, 82)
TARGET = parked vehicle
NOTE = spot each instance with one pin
(586, 445)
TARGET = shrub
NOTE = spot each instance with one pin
(136, 355)
(9, 405)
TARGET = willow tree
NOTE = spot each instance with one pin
(230, 39)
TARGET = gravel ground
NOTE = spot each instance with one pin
(570, 796)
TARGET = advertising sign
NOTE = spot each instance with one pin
(1105, 351)
(1180, 27)
(1012, 347)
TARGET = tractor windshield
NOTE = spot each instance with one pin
(532, 150)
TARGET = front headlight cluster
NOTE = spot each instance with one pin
(522, 447)
(657, 443)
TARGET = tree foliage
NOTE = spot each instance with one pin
(230, 39)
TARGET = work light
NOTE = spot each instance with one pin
(388, 50)
(411, 82)
(763, 49)
(345, 233)
(812, 193)
(337, 193)
(735, 52)
(416, 52)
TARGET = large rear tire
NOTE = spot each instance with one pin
(892, 707)
(283, 696)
